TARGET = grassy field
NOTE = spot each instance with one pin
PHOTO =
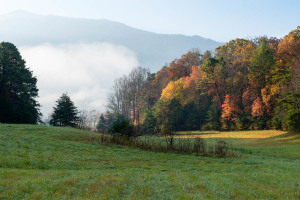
(40, 162)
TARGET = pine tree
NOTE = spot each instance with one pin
(18, 89)
(65, 113)
(101, 124)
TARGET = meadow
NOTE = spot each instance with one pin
(41, 162)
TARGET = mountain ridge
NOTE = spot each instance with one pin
(152, 49)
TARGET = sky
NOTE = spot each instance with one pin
(87, 71)
(221, 20)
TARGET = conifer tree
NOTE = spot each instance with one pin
(18, 91)
(101, 124)
(65, 113)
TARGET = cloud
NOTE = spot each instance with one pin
(85, 71)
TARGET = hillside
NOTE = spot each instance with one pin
(153, 50)
(40, 162)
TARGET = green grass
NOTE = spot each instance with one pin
(40, 162)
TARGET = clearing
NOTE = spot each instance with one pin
(40, 162)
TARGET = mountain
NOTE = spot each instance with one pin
(153, 50)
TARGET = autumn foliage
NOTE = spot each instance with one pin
(244, 84)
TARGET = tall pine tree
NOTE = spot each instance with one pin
(18, 91)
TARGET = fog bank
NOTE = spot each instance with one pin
(85, 71)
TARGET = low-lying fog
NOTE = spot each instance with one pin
(85, 71)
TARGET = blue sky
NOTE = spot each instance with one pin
(221, 20)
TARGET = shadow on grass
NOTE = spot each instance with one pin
(286, 138)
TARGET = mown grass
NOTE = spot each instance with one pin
(40, 162)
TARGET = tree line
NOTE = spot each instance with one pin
(244, 84)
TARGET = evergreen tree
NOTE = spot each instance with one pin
(212, 119)
(65, 113)
(261, 64)
(18, 89)
(122, 128)
(101, 126)
(149, 122)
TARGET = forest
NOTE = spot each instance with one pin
(243, 85)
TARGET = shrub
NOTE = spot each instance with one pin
(122, 128)
(221, 148)
(200, 145)
(197, 146)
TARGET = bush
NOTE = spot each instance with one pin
(200, 146)
(122, 128)
(221, 148)
(196, 146)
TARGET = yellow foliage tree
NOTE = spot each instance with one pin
(175, 89)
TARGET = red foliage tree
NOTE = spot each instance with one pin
(257, 108)
(230, 108)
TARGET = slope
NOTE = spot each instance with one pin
(40, 162)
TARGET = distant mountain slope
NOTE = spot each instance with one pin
(153, 50)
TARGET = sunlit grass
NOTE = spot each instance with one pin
(232, 134)
(40, 162)
(263, 138)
